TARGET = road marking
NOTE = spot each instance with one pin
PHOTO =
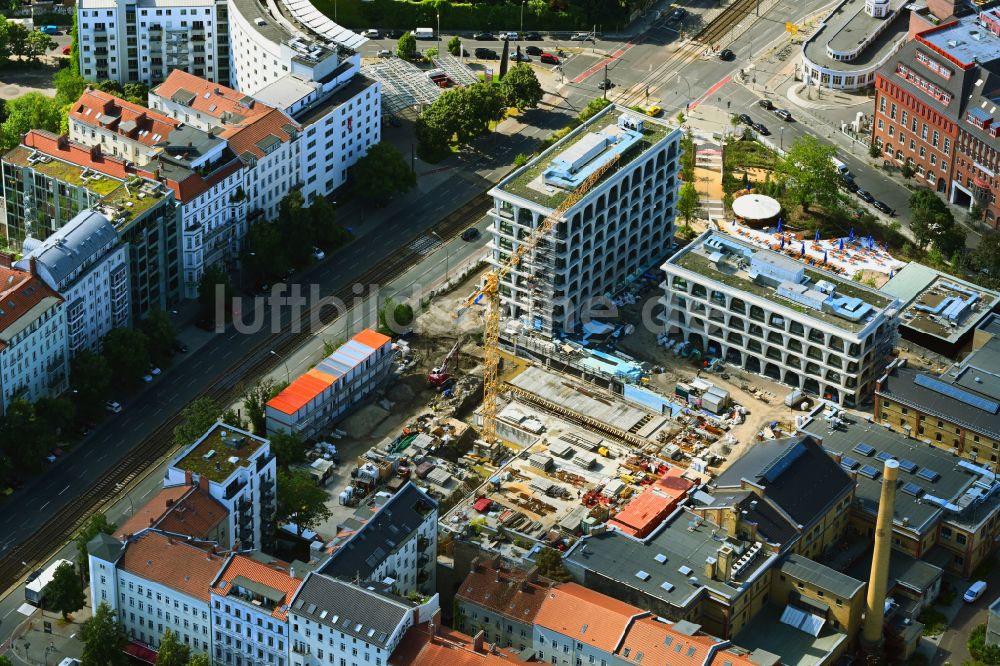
(42, 508)
(607, 61)
(146, 493)
(9, 612)
(710, 91)
(64, 490)
(137, 427)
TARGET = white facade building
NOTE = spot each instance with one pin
(241, 473)
(126, 40)
(84, 262)
(338, 622)
(622, 227)
(155, 582)
(771, 314)
(34, 351)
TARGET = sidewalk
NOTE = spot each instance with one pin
(45, 639)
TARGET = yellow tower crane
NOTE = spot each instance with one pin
(491, 292)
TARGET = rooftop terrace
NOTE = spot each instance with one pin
(732, 269)
(222, 450)
(128, 203)
(63, 171)
(965, 40)
(528, 182)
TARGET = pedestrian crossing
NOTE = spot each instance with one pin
(424, 245)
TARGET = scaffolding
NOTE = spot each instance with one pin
(455, 69)
(403, 85)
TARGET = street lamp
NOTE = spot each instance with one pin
(439, 33)
(288, 375)
(447, 257)
(523, 2)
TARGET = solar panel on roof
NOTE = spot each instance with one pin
(864, 449)
(912, 489)
(849, 463)
(927, 474)
(882, 456)
(907, 465)
(946, 389)
(869, 471)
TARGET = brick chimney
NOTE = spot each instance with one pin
(477, 642)
(203, 482)
(6, 259)
(188, 478)
(33, 265)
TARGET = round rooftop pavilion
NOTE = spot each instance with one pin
(756, 210)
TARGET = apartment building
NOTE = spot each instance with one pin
(84, 262)
(326, 392)
(239, 470)
(956, 411)
(34, 353)
(124, 129)
(250, 603)
(622, 227)
(188, 511)
(125, 41)
(264, 138)
(935, 107)
(335, 621)
(155, 581)
(392, 539)
(431, 643)
(770, 314)
(501, 602)
(50, 179)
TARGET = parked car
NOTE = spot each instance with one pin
(761, 129)
(520, 57)
(865, 196)
(205, 324)
(849, 185)
(372, 33)
(180, 347)
(384, 53)
(975, 591)
(548, 58)
(654, 111)
(147, 378)
(50, 29)
(606, 84)
(470, 234)
(113, 406)
(533, 50)
(727, 55)
(783, 114)
(487, 54)
(533, 36)
(318, 254)
(746, 120)
(483, 36)
(66, 50)
(394, 34)
(766, 104)
(678, 14)
(580, 37)
(884, 207)
(509, 36)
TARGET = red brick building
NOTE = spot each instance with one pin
(936, 107)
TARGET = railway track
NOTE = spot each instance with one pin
(38, 547)
(708, 37)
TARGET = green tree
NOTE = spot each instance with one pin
(31, 111)
(265, 254)
(874, 151)
(4, 661)
(550, 564)
(171, 651)
(593, 107)
(136, 92)
(382, 173)
(323, 217)
(98, 523)
(951, 241)
(521, 88)
(809, 174)
(254, 400)
(90, 376)
(402, 314)
(431, 52)
(432, 140)
(930, 218)
(406, 47)
(288, 448)
(211, 280)
(200, 659)
(688, 202)
(986, 654)
(69, 85)
(297, 229)
(36, 43)
(300, 500)
(907, 170)
(161, 334)
(64, 593)
(688, 156)
(103, 639)
(25, 438)
(127, 352)
(56, 413)
(196, 419)
(986, 256)
(455, 46)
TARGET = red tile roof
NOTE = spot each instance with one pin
(179, 565)
(447, 648)
(586, 616)
(97, 108)
(660, 643)
(274, 575)
(733, 657)
(20, 291)
(187, 510)
(512, 593)
(150, 512)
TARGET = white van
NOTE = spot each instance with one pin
(974, 592)
(841, 167)
(423, 33)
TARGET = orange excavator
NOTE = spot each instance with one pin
(440, 375)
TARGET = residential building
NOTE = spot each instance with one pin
(935, 107)
(391, 539)
(34, 352)
(335, 621)
(946, 511)
(49, 179)
(84, 262)
(264, 138)
(239, 470)
(188, 511)
(154, 582)
(623, 226)
(316, 399)
(124, 129)
(431, 644)
(854, 40)
(940, 312)
(250, 603)
(773, 315)
(993, 623)
(956, 411)
(125, 41)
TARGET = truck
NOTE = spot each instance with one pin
(423, 33)
(841, 168)
(34, 591)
